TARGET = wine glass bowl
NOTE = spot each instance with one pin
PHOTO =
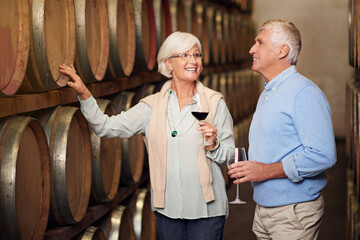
(200, 113)
(233, 156)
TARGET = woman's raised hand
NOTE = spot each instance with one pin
(76, 83)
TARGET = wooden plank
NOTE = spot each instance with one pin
(23, 103)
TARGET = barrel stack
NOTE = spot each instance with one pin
(58, 179)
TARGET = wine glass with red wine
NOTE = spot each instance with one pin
(200, 113)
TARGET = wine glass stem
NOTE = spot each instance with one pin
(237, 191)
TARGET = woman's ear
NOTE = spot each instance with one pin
(284, 51)
(168, 65)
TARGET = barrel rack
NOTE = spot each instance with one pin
(23, 98)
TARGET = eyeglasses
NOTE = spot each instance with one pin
(197, 56)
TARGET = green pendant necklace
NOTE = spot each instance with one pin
(174, 133)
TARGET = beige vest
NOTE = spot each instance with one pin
(157, 142)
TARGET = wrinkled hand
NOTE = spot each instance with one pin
(77, 84)
(209, 131)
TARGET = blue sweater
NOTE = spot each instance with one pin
(293, 124)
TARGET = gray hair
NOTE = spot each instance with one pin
(284, 32)
(177, 42)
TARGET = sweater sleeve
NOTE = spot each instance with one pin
(313, 122)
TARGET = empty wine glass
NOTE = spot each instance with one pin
(233, 157)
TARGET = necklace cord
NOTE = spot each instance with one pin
(174, 133)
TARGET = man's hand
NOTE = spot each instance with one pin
(253, 171)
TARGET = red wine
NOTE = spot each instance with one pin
(200, 115)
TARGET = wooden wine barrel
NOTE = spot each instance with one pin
(237, 36)
(354, 132)
(122, 38)
(105, 160)
(356, 169)
(158, 11)
(177, 15)
(351, 32)
(236, 134)
(348, 121)
(197, 15)
(147, 89)
(162, 21)
(249, 91)
(52, 43)
(222, 88)
(159, 85)
(206, 80)
(351, 207)
(350, 131)
(237, 97)
(187, 4)
(215, 82)
(219, 30)
(242, 94)
(145, 32)
(231, 101)
(14, 44)
(24, 179)
(68, 137)
(242, 133)
(92, 233)
(92, 39)
(118, 224)
(210, 42)
(143, 217)
(355, 36)
(132, 149)
(206, 39)
(227, 42)
(244, 52)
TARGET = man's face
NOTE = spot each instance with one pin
(264, 54)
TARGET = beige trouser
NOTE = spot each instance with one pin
(290, 222)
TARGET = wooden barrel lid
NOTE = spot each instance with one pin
(24, 179)
(14, 44)
(92, 39)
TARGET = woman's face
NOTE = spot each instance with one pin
(186, 66)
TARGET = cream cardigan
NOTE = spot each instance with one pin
(157, 139)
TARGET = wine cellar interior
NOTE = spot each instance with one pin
(58, 179)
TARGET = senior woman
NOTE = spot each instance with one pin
(187, 186)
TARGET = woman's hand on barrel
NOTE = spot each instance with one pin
(76, 83)
(209, 131)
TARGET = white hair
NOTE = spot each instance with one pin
(284, 32)
(177, 42)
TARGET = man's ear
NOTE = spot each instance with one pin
(284, 51)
